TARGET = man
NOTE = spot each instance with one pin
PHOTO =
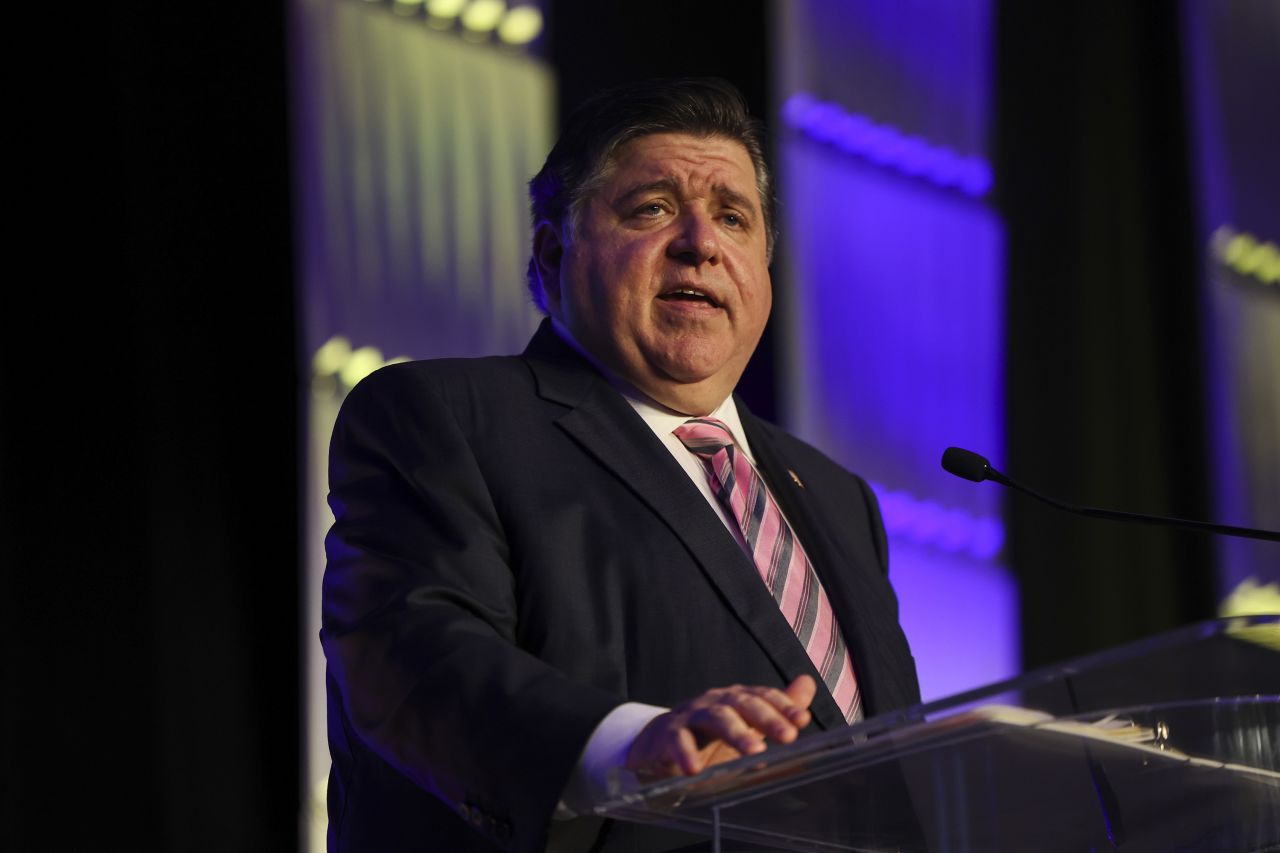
(590, 562)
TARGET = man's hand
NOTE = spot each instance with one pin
(720, 725)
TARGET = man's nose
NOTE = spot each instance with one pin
(696, 240)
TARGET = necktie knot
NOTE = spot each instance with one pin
(705, 437)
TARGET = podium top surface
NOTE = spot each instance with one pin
(1174, 739)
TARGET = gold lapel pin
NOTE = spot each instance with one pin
(795, 478)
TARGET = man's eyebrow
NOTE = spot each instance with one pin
(663, 184)
(736, 198)
(670, 185)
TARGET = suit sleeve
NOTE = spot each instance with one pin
(420, 624)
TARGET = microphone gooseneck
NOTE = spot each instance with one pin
(970, 466)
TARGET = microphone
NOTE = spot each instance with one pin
(971, 466)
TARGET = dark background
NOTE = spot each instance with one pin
(1104, 383)
(151, 532)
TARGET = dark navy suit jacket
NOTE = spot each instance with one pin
(515, 554)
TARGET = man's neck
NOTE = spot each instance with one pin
(623, 387)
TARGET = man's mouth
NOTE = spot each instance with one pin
(689, 294)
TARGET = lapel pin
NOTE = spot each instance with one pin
(795, 478)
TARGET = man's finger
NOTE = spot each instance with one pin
(801, 692)
(723, 721)
(767, 711)
(686, 752)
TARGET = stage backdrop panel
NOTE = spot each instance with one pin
(412, 149)
(892, 273)
(1231, 63)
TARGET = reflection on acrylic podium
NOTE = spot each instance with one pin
(1168, 744)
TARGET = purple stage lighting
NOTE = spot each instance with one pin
(886, 146)
(926, 522)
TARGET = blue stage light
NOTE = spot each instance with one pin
(928, 523)
(886, 146)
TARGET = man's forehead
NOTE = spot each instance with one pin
(717, 163)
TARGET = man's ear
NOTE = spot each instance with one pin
(548, 251)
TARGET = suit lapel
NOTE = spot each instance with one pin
(606, 426)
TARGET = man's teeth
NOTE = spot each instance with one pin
(697, 294)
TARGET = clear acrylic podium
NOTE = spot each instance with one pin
(1168, 744)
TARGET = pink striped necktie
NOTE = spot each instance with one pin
(778, 555)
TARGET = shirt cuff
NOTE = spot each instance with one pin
(600, 774)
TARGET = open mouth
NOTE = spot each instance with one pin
(689, 294)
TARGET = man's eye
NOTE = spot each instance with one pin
(651, 209)
(734, 220)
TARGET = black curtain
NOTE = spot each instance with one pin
(1104, 368)
(151, 544)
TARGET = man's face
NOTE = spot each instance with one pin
(666, 280)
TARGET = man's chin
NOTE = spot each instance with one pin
(689, 392)
(693, 364)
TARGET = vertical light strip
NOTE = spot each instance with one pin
(412, 148)
(1228, 47)
(893, 275)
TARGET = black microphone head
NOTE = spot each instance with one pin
(965, 463)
